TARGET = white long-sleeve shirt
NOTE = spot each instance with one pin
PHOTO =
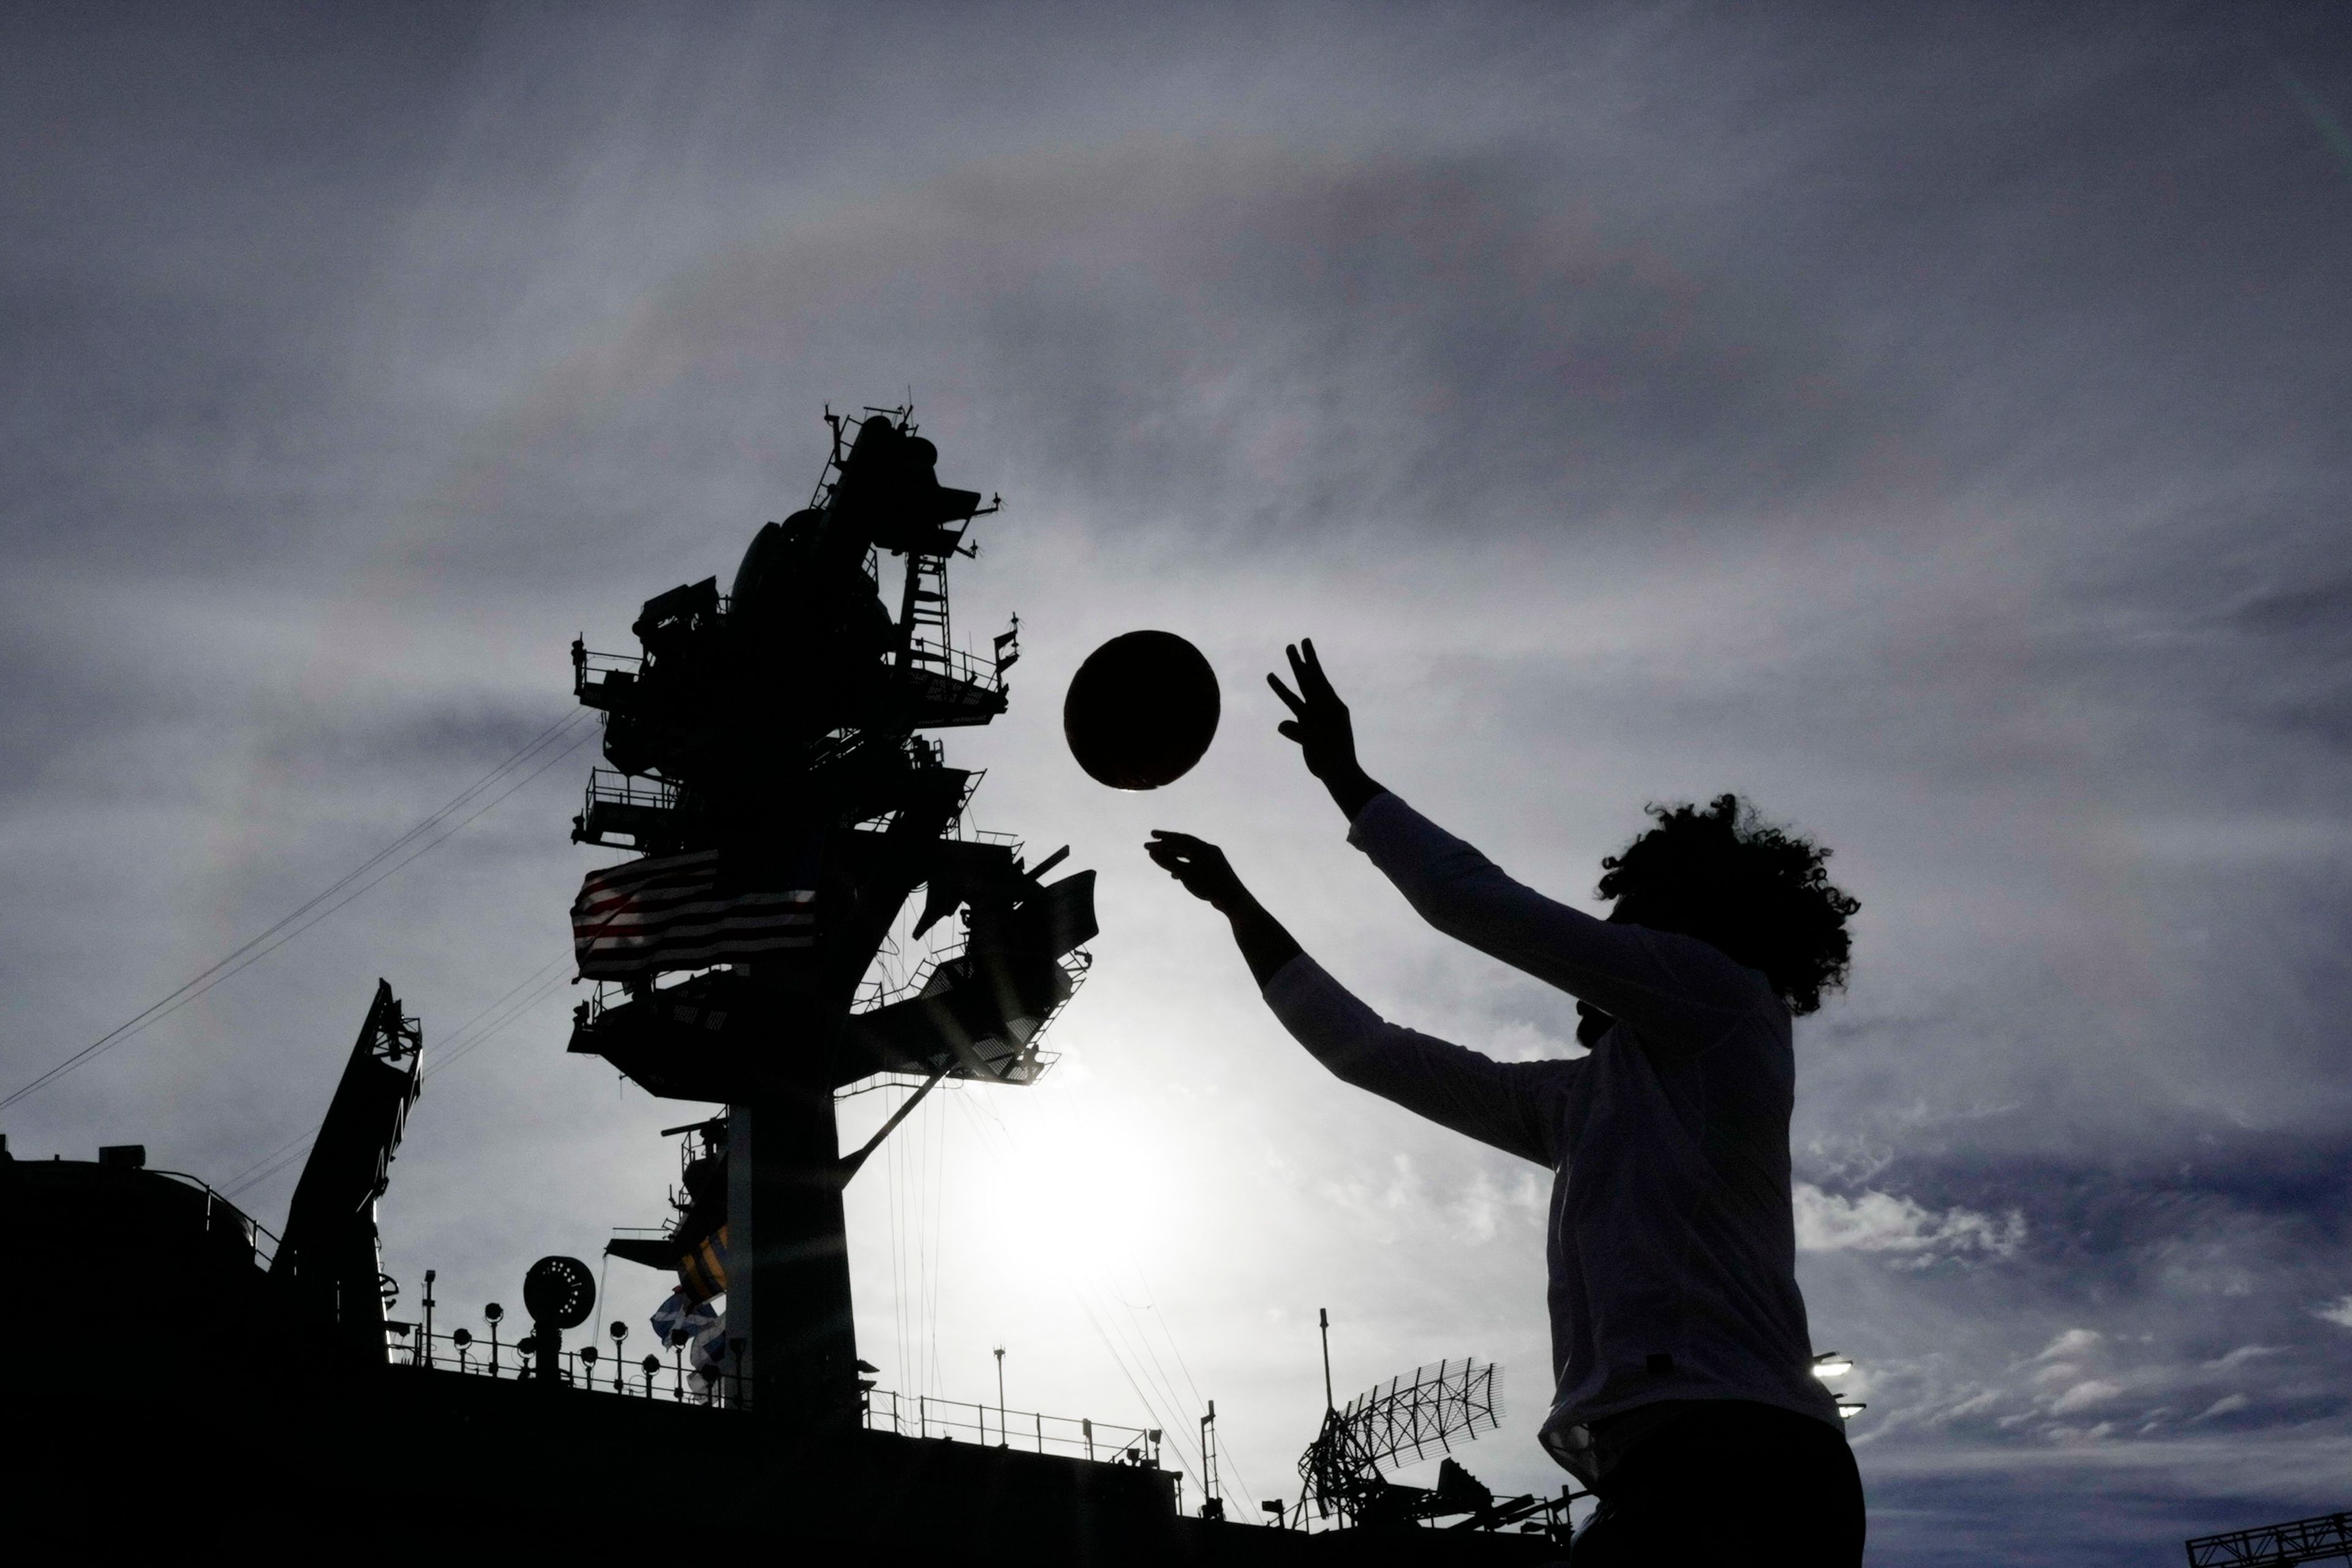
(1671, 1244)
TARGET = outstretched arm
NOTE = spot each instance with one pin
(1515, 1106)
(1677, 992)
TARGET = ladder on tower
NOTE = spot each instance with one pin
(923, 613)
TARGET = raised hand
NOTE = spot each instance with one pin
(1200, 866)
(1320, 724)
(1206, 874)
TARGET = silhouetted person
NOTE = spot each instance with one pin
(1686, 1394)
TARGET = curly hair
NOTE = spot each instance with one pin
(1761, 894)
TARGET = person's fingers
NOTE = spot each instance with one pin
(1184, 871)
(1306, 669)
(1290, 698)
(1288, 731)
(1321, 686)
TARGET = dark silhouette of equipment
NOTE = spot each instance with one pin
(2324, 1538)
(331, 1260)
(1142, 711)
(1212, 1498)
(1400, 1425)
(768, 769)
(559, 1293)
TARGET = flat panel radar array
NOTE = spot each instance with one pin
(771, 776)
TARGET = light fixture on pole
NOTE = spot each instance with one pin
(1830, 1364)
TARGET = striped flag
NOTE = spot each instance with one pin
(681, 1316)
(666, 912)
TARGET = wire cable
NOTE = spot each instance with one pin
(460, 1046)
(333, 897)
(1151, 1305)
(1171, 1435)
(1165, 1383)
(460, 1043)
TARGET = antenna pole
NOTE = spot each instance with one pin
(1003, 1441)
(1323, 1318)
(1213, 1506)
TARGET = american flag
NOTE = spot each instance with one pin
(666, 912)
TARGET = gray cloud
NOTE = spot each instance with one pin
(1921, 423)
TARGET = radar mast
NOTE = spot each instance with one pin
(772, 776)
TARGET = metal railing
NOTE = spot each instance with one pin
(591, 1369)
(221, 1214)
(629, 811)
(608, 787)
(958, 665)
(876, 990)
(595, 677)
(587, 1366)
(954, 1420)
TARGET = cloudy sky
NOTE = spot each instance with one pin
(1916, 418)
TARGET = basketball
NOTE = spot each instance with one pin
(1142, 711)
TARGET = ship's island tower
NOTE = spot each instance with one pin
(769, 768)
